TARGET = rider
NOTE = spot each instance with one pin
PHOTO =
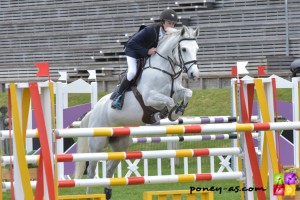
(141, 45)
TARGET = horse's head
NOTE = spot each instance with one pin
(178, 48)
(187, 51)
(181, 46)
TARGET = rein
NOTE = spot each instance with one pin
(173, 64)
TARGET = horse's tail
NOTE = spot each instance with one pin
(82, 147)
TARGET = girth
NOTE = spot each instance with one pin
(148, 115)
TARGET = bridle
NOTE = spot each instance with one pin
(182, 65)
(173, 64)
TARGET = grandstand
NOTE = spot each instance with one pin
(78, 35)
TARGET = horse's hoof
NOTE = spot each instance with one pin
(173, 116)
(108, 193)
(175, 112)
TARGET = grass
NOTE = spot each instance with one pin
(215, 102)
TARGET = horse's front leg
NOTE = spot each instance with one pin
(184, 95)
(158, 100)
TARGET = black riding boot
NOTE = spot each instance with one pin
(119, 98)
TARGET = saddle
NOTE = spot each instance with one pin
(148, 114)
(134, 80)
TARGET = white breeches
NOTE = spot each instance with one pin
(132, 68)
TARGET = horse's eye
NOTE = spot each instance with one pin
(184, 49)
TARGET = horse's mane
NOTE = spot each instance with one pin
(173, 32)
(170, 32)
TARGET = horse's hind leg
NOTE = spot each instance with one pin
(111, 165)
(118, 144)
(96, 144)
(91, 172)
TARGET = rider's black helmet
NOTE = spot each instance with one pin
(295, 67)
(168, 14)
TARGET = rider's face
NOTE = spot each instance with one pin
(168, 24)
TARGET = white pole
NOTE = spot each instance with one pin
(199, 166)
(234, 143)
(159, 167)
(146, 167)
(295, 102)
(94, 94)
(60, 105)
(29, 141)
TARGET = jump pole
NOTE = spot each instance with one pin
(176, 129)
(191, 120)
(142, 180)
(194, 138)
(33, 159)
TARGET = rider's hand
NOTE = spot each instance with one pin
(152, 51)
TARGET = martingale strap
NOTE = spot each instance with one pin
(148, 115)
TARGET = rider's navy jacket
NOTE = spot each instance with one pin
(139, 44)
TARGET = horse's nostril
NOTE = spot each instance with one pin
(192, 75)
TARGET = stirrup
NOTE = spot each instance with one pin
(117, 103)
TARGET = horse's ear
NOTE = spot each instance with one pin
(197, 32)
(183, 30)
